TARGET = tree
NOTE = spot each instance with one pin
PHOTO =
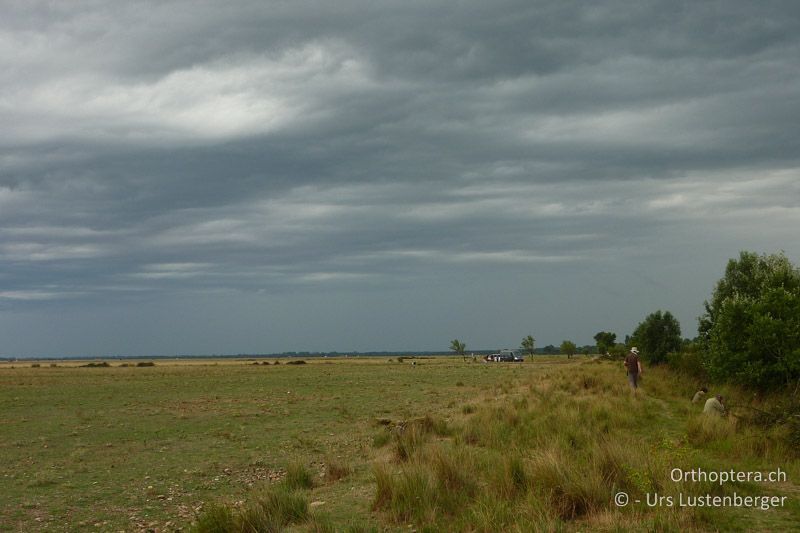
(658, 335)
(569, 348)
(751, 328)
(605, 340)
(527, 345)
(458, 347)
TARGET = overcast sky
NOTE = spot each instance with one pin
(200, 177)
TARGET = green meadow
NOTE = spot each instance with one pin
(430, 444)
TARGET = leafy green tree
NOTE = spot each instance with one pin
(458, 347)
(569, 348)
(605, 340)
(658, 335)
(751, 327)
(527, 345)
(618, 350)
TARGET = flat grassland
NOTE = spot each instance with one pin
(440, 445)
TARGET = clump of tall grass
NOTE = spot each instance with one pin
(267, 512)
(382, 438)
(410, 437)
(298, 476)
(702, 429)
(407, 496)
(216, 518)
(336, 470)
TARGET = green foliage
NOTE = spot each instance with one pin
(658, 335)
(688, 363)
(604, 340)
(527, 345)
(618, 350)
(458, 347)
(568, 348)
(751, 328)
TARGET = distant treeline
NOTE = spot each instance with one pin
(546, 350)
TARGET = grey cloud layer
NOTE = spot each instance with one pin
(198, 146)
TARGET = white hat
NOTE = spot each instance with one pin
(635, 350)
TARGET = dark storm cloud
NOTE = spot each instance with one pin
(175, 147)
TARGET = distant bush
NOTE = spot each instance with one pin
(145, 363)
(658, 335)
(688, 363)
(102, 364)
(295, 362)
(35, 365)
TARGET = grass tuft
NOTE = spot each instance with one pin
(298, 476)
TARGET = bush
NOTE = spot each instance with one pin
(688, 363)
(658, 335)
(751, 328)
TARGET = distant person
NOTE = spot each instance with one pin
(634, 368)
(699, 395)
(715, 406)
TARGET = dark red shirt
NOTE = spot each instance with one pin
(632, 363)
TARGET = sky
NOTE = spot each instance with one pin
(202, 177)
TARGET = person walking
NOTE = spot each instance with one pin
(634, 367)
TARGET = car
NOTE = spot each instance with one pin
(506, 356)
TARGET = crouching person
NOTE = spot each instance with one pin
(715, 406)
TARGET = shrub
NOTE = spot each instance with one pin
(658, 335)
(145, 363)
(751, 327)
(688, 363)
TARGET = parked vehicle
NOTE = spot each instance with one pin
(505, 356)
